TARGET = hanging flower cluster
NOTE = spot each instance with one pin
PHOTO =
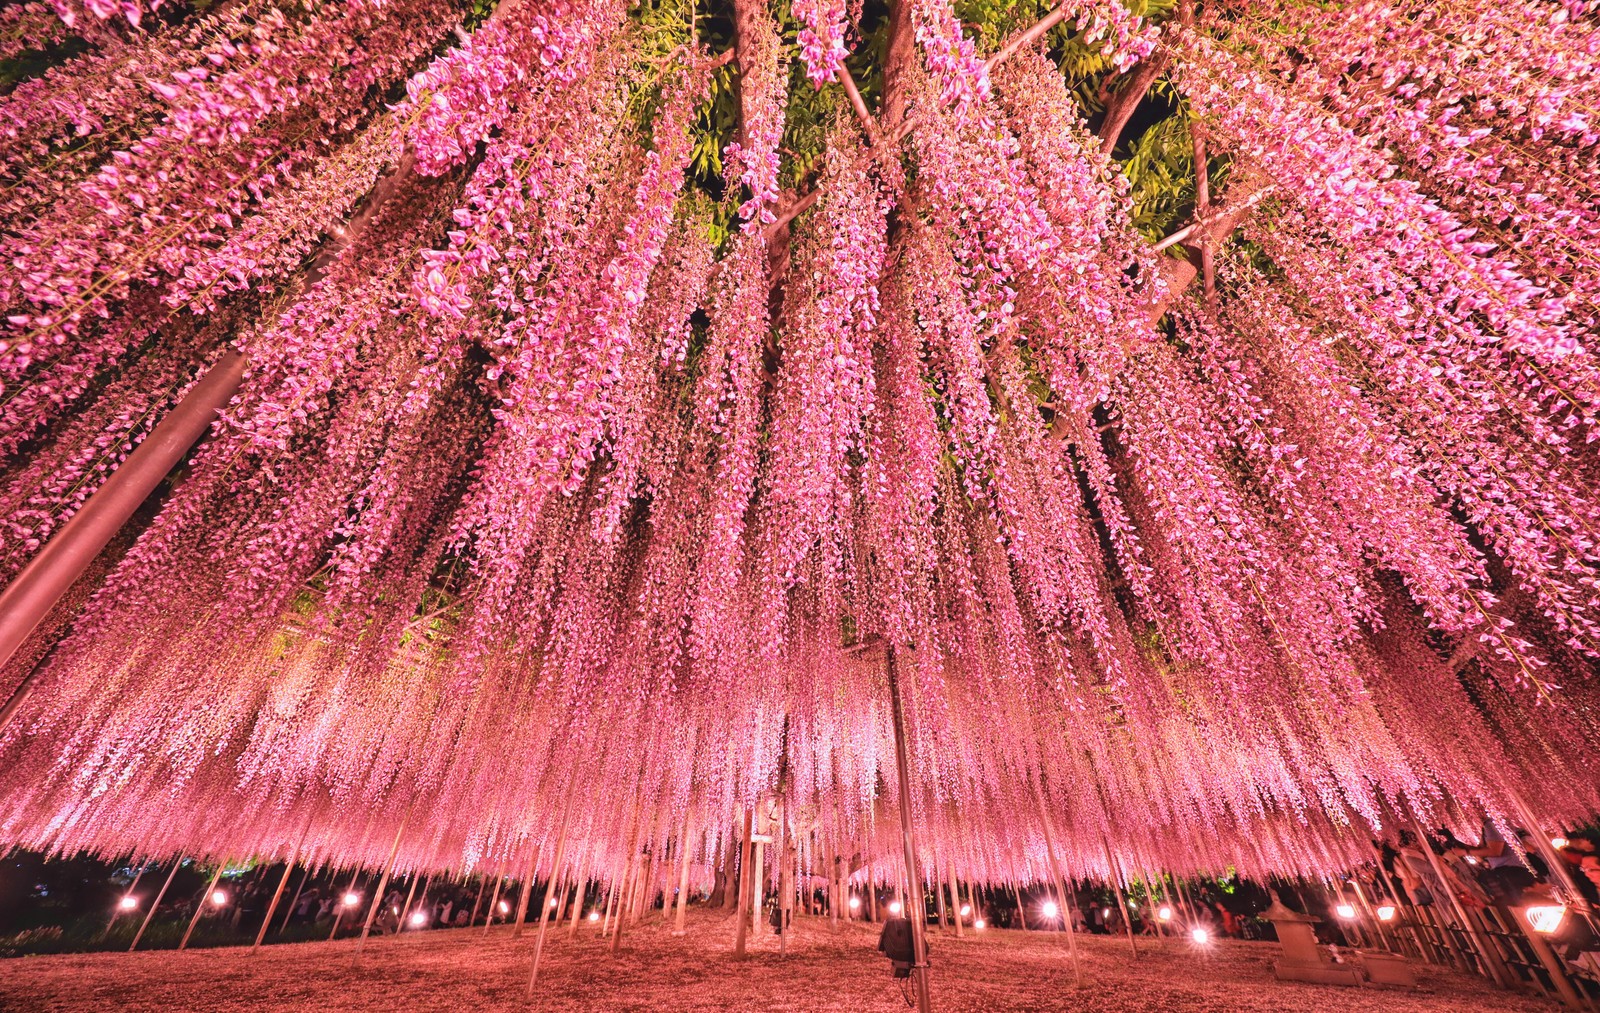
(577, 501)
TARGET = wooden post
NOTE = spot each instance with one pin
(289, 911)
(527, 892)
(405, 906)
(611, 895)
(116, 912)
(338, 906)
(683, 876)
(550, 890)
(741, 932)
(1067, 903)
(155, 904)
(919, 944)
(630, 884)
(1022, 909)
(1114, 868)
(580, 889)
(1491, 966)
(272, 907)
(494, 903)
(758, 877)
(199, 908)
(383, 881)
(955, 893)
(477, 905)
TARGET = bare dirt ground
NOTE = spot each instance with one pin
(992, 972)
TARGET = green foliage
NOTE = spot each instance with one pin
(1160, 165)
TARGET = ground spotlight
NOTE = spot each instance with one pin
(1345, 911)
(1200, 936)
(1050, 910)
(1164, 913)
(128, 903)
(219, 897)
(1385, 912)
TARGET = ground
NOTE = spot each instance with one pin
(992, 972)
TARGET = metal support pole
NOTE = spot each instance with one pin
(64, 558)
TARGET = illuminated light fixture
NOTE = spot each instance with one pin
(554, 901)
(128, 903)
(1472, 859)
(980, 923)
(419, 918)
(855, 903)
(594, 916)
(505, 908)
(1385, 912)
(966, 909)
(1164, 913)
(351, 899)
(1133, 904)
(1050, 910)
(1345, 911)
(1547, 918)
(895, 907)
(219, 897)
(1106, 912)
(1558, 842)
(1200, 936)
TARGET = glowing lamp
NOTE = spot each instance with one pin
(1345, 911)
(594, 916)
(1050, 910)
(219, 897)
(1385, 912)
(1558, 842)
(895, 907)
(1106, 912)
(1164, 913)
(128, 903)
(1472, 859)
(1547, 918)
(351, 899)
(505, 908)
(419, 918)
(1133, 904)
(1200, 936)
(554, 901)
(980, 923)
(855, 903)
(966, 909)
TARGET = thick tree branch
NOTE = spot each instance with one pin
(1178, 275)
(1122, 103)
(898, 55)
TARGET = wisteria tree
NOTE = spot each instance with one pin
(1198, 397)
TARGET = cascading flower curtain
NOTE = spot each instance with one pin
(618, 388)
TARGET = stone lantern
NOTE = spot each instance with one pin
(1303, 959)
